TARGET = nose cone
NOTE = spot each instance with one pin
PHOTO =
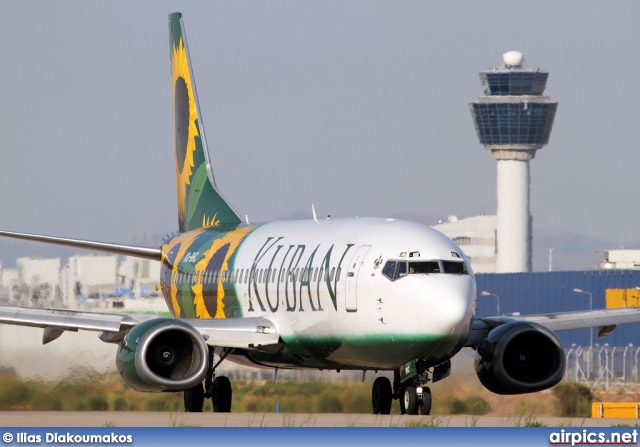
(445, 304)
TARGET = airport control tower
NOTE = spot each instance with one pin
(513, 120)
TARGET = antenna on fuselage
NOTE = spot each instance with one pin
(313, 209)
(246, 218)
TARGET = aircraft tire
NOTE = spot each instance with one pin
(194, 399)
(425, 408)
(381, 396)
(222, 395)
(410, 400)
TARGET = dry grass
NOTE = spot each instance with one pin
(460, 394)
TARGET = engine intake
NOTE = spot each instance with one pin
(520, 357)
(162, 355)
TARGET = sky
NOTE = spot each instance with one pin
(359, 107)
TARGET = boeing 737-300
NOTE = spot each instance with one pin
(368, 294)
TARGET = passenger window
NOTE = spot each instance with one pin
(389, 270)
(315, 274)
(338, 273)
(332, 272)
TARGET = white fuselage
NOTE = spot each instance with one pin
(323, 287)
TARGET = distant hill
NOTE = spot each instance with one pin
(573, 251)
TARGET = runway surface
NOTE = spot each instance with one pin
(158, 419)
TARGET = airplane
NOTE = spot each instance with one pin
(367, 294)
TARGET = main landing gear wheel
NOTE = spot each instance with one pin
(381, 396)
(425, 409)
(194, 399)
(222, 395)
(410, 400)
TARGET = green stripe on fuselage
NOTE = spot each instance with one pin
(383, 350)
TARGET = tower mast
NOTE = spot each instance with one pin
(513, 120)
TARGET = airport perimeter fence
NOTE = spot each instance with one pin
(603, 366)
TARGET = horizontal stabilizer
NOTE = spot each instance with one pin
(119, 249)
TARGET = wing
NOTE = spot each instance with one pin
(246, 333)
(606, 320)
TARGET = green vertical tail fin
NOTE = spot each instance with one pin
(200, 204)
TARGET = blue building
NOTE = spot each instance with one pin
(546, 292)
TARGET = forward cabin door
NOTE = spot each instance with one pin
(353, 269)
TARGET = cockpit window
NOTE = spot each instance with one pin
(389, 270)
(402, 269)
(458, 268)
(424, 267)
(399, 269)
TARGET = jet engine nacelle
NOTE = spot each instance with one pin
(162, 354)
(520, 357)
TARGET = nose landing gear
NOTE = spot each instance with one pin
(416, 399)
(409, 387)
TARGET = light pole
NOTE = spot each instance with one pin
(590, 308)
(485, 293)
